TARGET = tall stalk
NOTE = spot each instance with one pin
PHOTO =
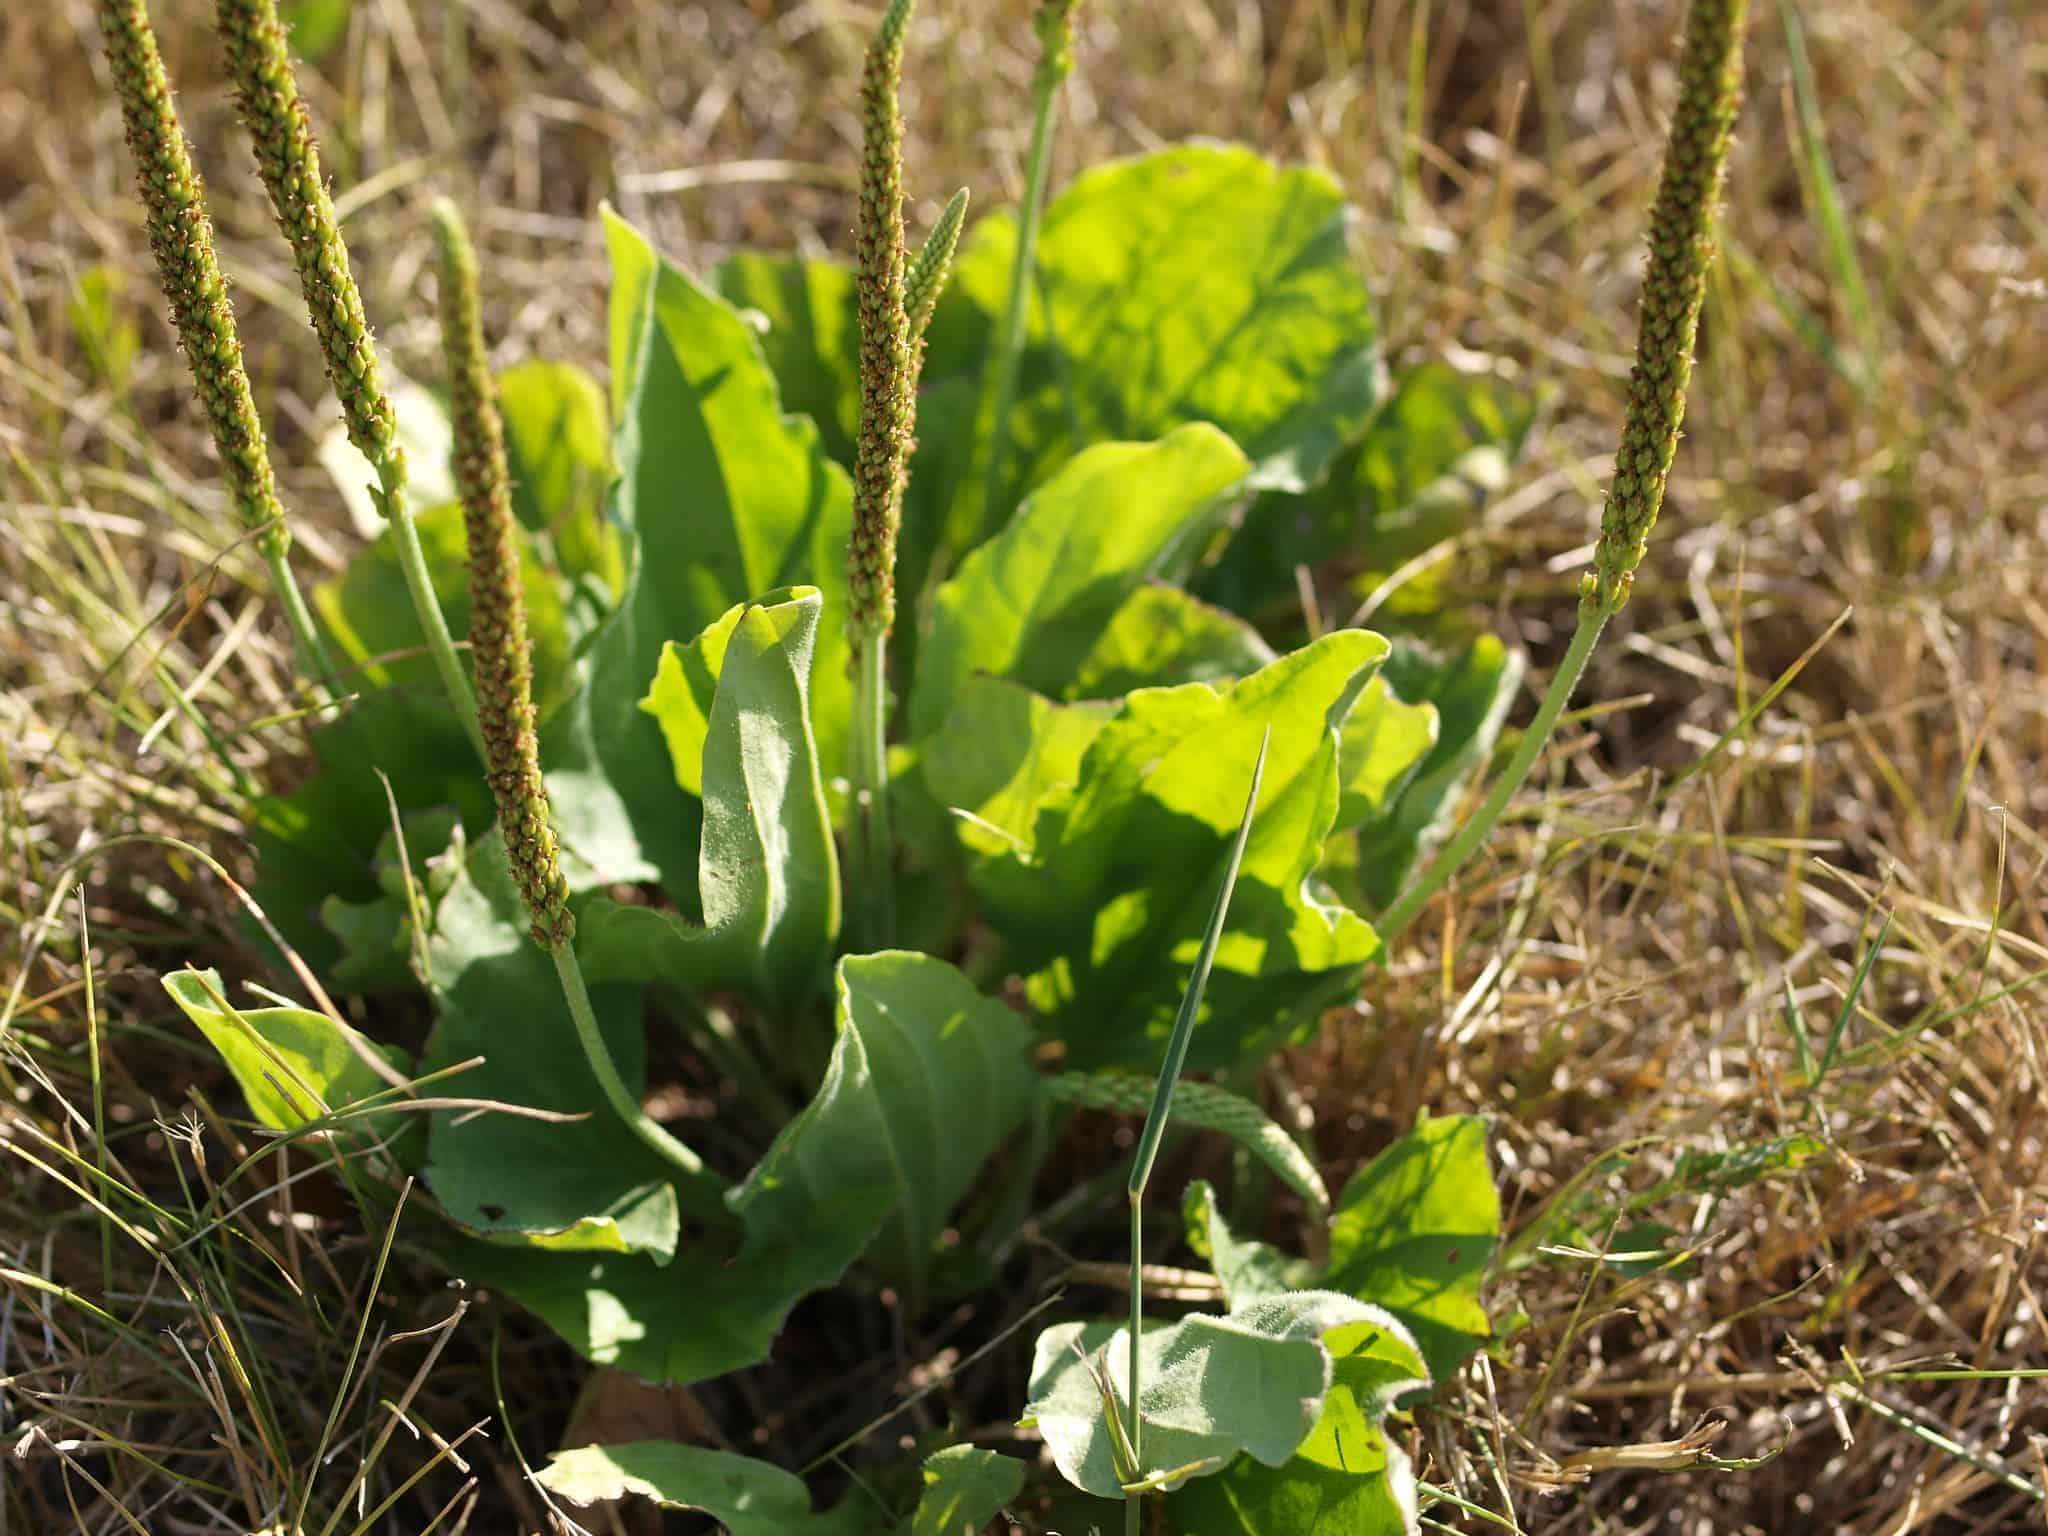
(181, 239)
(1162, 1109)
(881, 452)
(288, 159)
(1674, 288)
(504, 673)
(1055, 28)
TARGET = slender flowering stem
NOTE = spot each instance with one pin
(881, 450)
(1055, 27)
(181, 238)
(280, 132)
(504, 677)
(1674, 289)
(1162, 1108)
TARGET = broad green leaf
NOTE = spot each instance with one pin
(926, 1077)
(1213, 1387)
(305, 1065)
(733, 706)
(725, 498)
(1384, 744)
(1033, 602)
(747, 1497)
(1003, 750)
(964, 1489)
(428, 441)
(1347, 1477)
(369, 610)
(1471, 694)
(1248, 1269)
(1109, 894)
(1201, 283)
(589, 1183)
(1161, 636)
(1439, 448)
(810, 335)
(1413, 1233)
(558, 441)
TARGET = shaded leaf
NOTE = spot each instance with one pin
(590, 1183)
(747, 1497)
(1003, 750)
(964, 1488)
(1414, 1231)
(926, 1076)
(1161, 636)
(1248, 1269)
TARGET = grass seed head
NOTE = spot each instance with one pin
(1674, 288)
(887, 403)
(502, 655)
(181, 237)
(288, 159)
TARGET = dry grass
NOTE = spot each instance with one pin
(1869, 432)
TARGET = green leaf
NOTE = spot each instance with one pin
(1003, 750)
(1249, 1270)
(726, 499)
(558, 442)
(1439, 448)
(369, 609)
(734, 708)
(1385, 742)
(1161, 636)
(103, 322)
(1033, 602)
(317, 26)
(292, 1064)
(1413, 1233)
(589, 1183)
(964, 1489)
(747, 1497)
(376, 936)
(1347, 1476)
(1109, 892)
(1471, 694)
(1201, 283)
(809, 313)
(927, 1077)
(1213, 1387)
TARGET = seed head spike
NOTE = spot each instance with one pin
(280, 131)
(181, 237)
(1674, 288)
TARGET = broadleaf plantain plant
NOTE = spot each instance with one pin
(1081, 458)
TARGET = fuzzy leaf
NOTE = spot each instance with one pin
(1413, 1232)
(1253, 1382)
(926, 1077)
(1108, 893)
(1033, 602)
(1201, 283)
(964, 1488)
(1249, 1270)
(733, 706)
